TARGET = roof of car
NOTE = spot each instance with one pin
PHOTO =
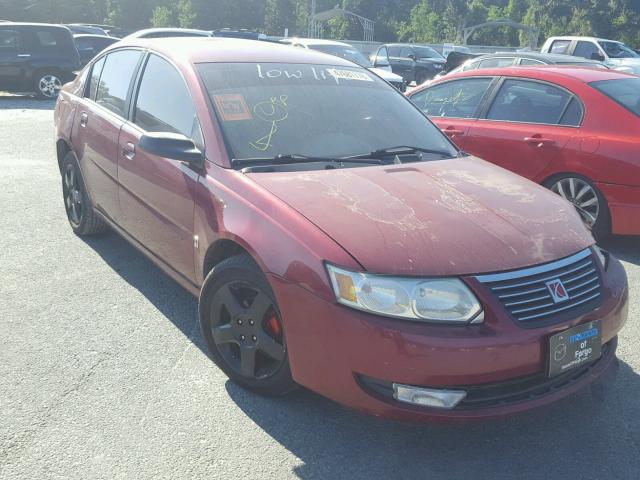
(30, 24)
(578, 37)
(147, 31)
(91, 35)
(547, 72)
(222, 49)
(550, 57)
(314, 41)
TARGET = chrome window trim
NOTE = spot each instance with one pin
(527, 272)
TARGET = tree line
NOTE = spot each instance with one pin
(429, 21)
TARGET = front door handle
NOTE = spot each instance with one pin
(84, 118)
(129, 151)
(452, 131)
(539, 141)
(24, 55)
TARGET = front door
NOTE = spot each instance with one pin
(454, 106)
(526, 127)
(157, 194)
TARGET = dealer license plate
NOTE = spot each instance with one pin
(574, 347)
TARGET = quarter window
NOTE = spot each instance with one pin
(531, 102)
(560, 46)
(496, 62)
(115, 80)
(94, 80)
(158, 112)
(457, 99)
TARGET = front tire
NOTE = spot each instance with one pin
(242, 326)
(80, 213)
(588, 201)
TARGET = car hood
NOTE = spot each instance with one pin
(386, 75)
(450, 217)
(632, 63)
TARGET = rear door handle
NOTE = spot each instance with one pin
(129, 151)
(24, 55)
(539, 141)
(452, 131)
(84, 118)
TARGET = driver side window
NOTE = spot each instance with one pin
(455, 99)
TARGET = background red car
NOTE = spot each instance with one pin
(574, 130)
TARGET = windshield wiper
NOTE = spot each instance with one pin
(404, 150)
(292, 158)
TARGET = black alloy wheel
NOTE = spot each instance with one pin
(82, 217)
(243, 329)
(71, 192)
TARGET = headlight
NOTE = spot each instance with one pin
(602, 255)
(421, 299)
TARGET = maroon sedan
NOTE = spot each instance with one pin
(335, 237)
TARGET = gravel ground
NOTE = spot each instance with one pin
(103, 375)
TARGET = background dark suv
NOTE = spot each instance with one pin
(415, 63)
(36, 58)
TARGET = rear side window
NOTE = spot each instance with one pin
(625, 91)
(456, 99)
(529, 102)
(530, 61)
(560, 46)
(8, 40)
(46, 39)
(94, 79)
(496, 62)
(157, 112)
(572, 115)
(585, 49)
(115, 80)
(394, 51)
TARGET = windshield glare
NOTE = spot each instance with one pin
(274, 109)
(618, 50)
(350, 54)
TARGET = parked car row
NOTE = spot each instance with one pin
(337, 239)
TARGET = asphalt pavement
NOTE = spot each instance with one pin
(103, 374)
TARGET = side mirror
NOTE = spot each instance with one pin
(412, 57)
(597, 56)
(171, 145)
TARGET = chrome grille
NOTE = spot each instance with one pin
(526, 296)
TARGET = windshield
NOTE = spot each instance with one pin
(618, 50)
(345, 52)
(625, 91)
(274, 109)
(427, 52)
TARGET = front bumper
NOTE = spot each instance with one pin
(331, 347)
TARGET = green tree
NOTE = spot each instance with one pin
(279, 15)
(162, 17)
(186, 14)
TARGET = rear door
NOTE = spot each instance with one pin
(526, 126)
(454, 106)
(157, 194)
(401, 64)
(99, 118)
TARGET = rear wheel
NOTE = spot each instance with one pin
(82, 217)
(242, 327)
(48, 85)
(587, 200)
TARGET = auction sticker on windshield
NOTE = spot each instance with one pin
(232, 107)
(574, 347)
